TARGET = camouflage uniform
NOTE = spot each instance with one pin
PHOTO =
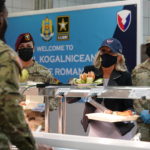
(39, 73)
(141, 77)
(13, 127)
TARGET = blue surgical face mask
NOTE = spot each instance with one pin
(108, 60)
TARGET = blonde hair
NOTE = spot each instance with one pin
(120, 65)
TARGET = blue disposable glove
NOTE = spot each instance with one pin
(145, 116)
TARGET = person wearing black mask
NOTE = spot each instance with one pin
(141, 77)
(109, 64)
(36, 73)
(25, 48)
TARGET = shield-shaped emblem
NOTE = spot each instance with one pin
(47, 30)
(124, 19)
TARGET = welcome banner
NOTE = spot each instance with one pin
(66, 41)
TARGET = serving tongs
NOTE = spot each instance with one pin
(93, 102)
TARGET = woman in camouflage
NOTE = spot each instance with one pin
(37, 73)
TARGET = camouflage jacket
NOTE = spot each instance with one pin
(39, 73)
(10, 68)
(141, 77)
(13, 127)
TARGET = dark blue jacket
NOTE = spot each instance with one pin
(117, 78)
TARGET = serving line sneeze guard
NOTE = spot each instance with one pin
(63, 92)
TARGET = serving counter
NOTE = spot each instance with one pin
(83, 91)
(72, 142)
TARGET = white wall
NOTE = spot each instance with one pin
(65, 3)
(26, 5)
(19, 5)
(146, 19)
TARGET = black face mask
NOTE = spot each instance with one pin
(148, 51)
(25, 53)
(108, 60)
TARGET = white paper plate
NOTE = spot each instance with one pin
(110, 117)
(86, 85)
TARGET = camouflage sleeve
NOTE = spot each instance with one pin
(14, 125)
(134, 77)
(9, 73)
(49, 77)
(39, 73)
(140, 104)
(140, 78)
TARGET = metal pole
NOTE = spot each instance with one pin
(60, 116)
(64, 116)
(47, 114)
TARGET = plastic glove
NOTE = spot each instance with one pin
(145, 116)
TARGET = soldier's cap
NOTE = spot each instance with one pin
(113, 44)
(23, 38)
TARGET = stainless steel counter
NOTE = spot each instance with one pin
(88, 143)
(127, 92)
(82, 91)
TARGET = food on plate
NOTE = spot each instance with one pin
(99, 81)
(111, 117)
(77, 81)
(107, 111)
(89, 80)
(90, 77)
(34, 119)
(123, 113)
(86, 78)
(120, 113)
(23, 103)
(83, 76)
(91, 74)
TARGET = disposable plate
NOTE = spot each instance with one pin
(111, 117)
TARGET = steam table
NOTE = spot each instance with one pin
(82, 91)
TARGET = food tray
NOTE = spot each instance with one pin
(111, 117)
(86, 85)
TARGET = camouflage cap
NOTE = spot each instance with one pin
(23, 38)
(113, 44)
